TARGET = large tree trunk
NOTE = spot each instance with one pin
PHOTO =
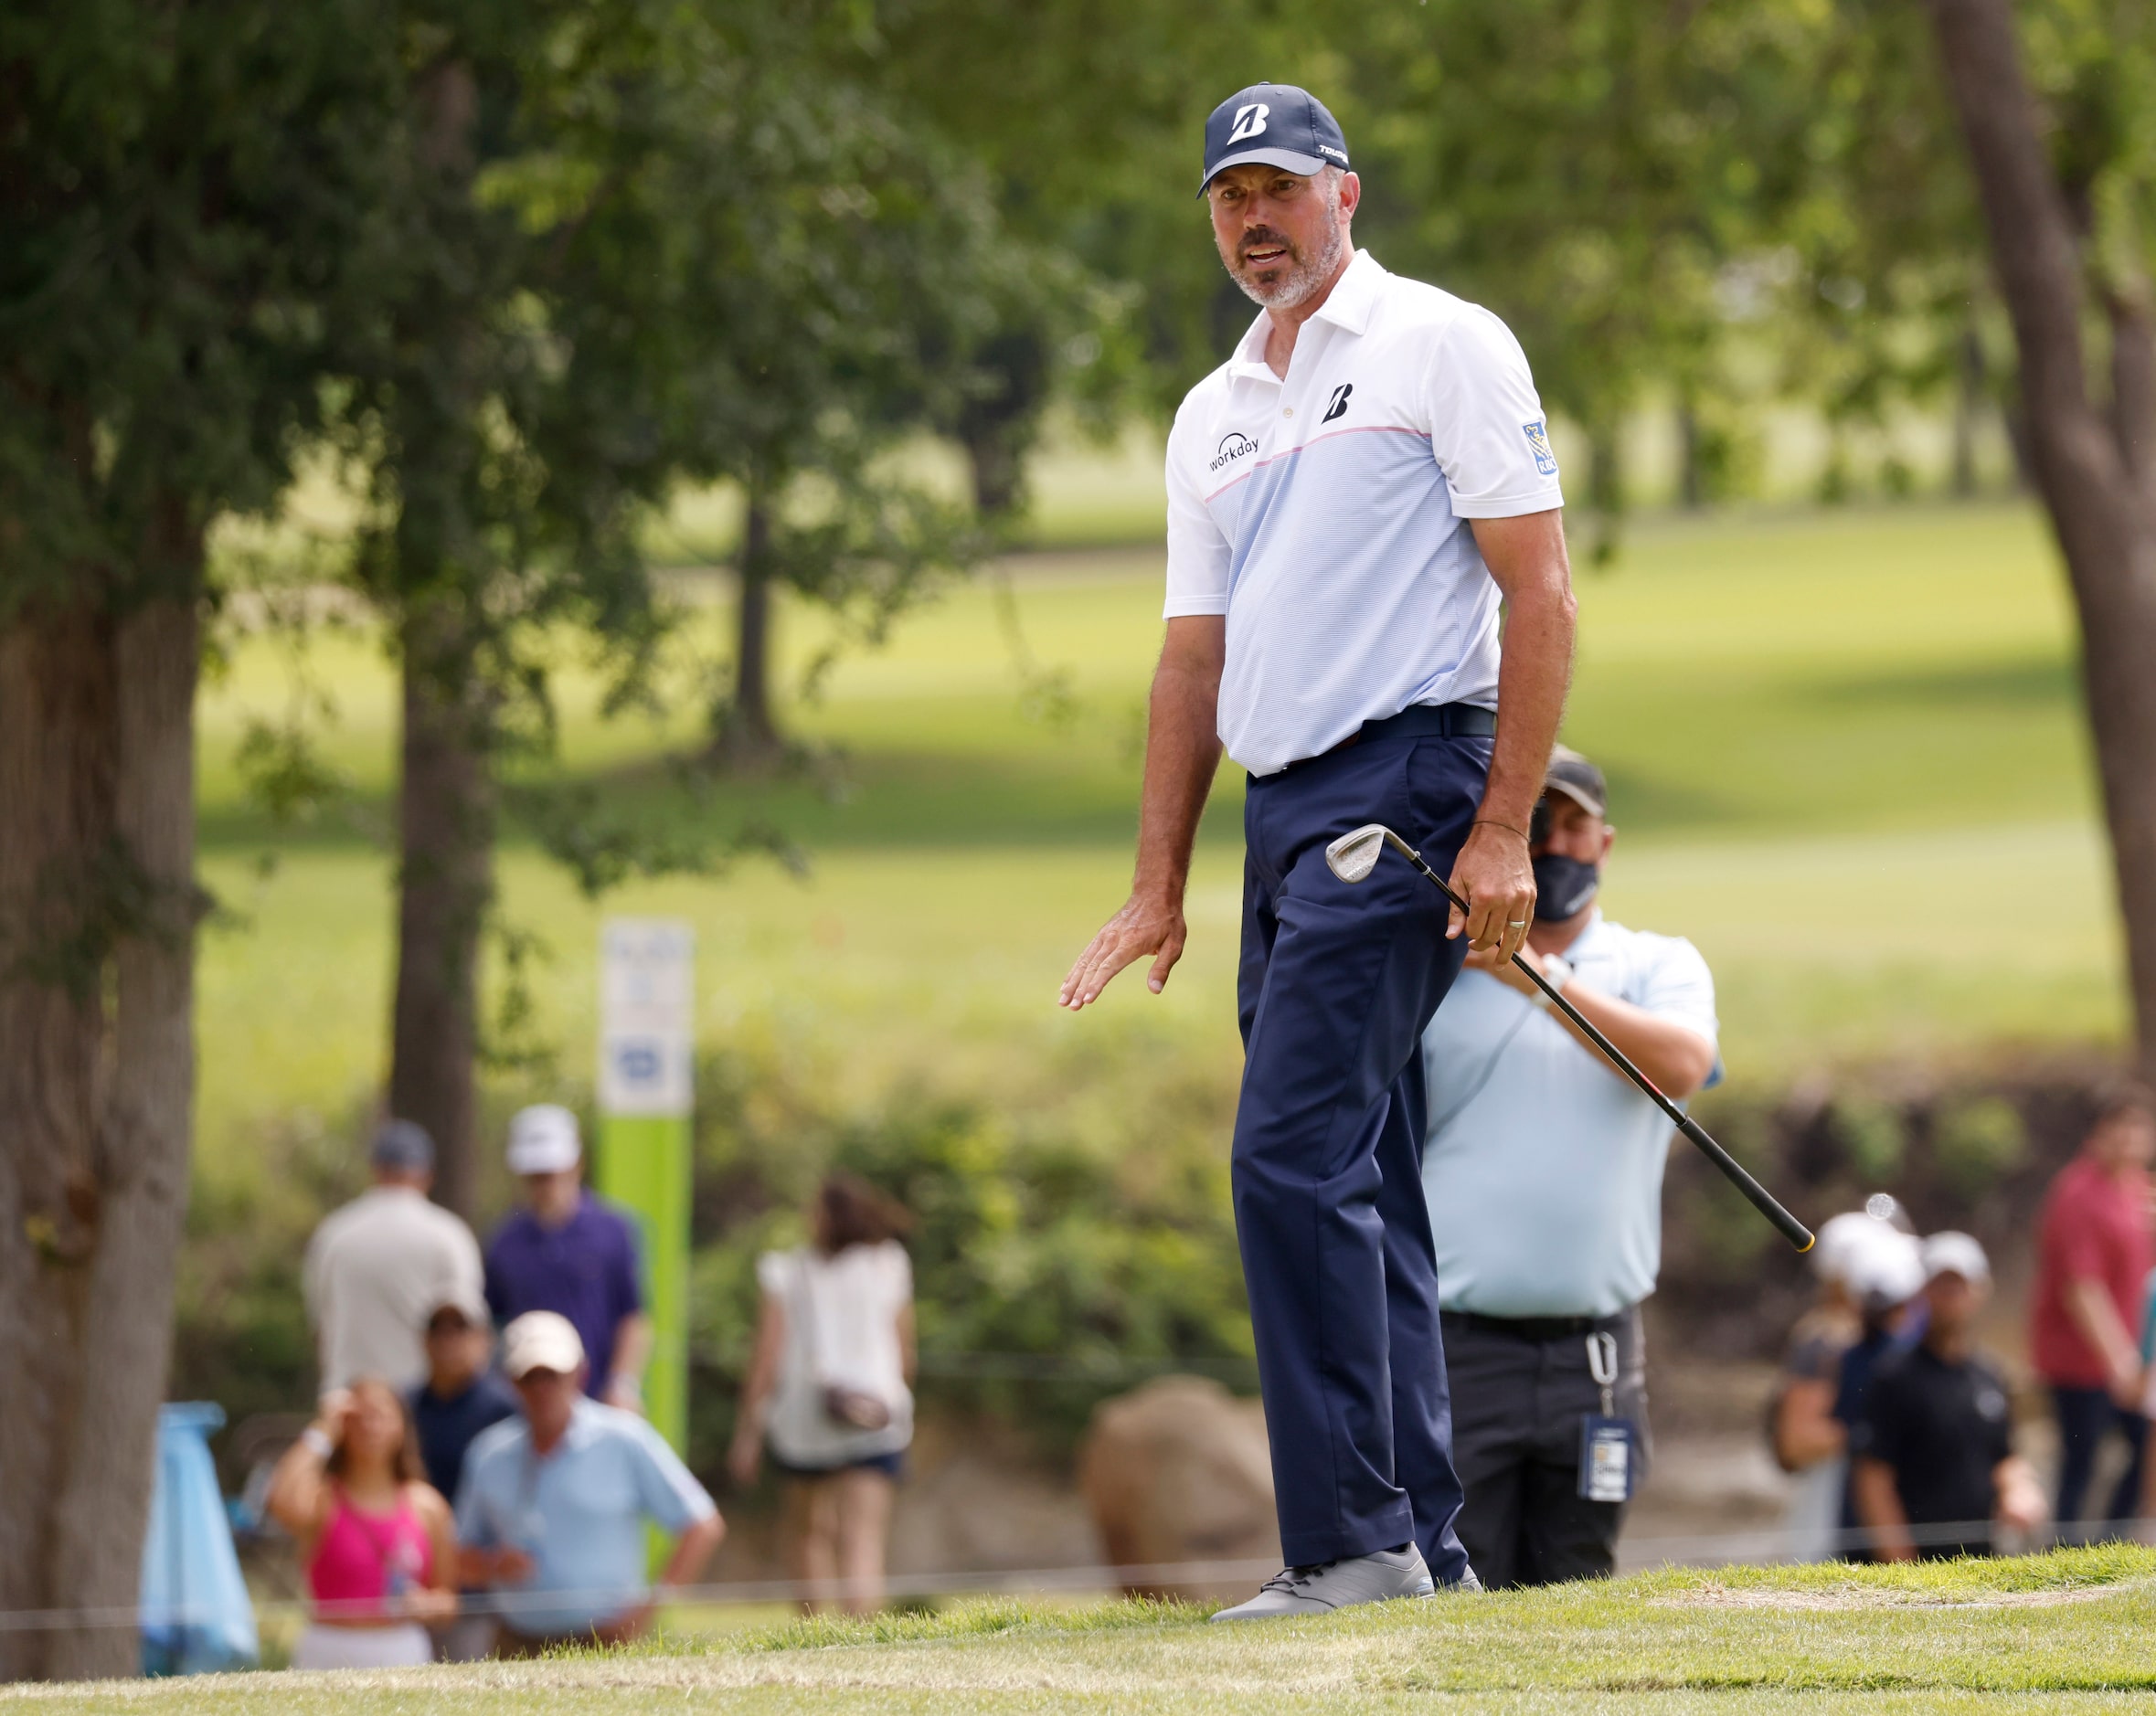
(999, 472)
(747, 740)
(446, 804)
(2084, 455)
(98, 907)
(445, 887)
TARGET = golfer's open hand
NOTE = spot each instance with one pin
(1496, 880)
(1148, 925)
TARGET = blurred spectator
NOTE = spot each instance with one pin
(1808, 1440)
(1886, 1274)
(553, 1504)
(2093, 1259)
(376, 1538)
(375, 1268)
(567, 1252)
(1935, 1448)
(462, 1395)
(1543, 1172)
(828, 1388)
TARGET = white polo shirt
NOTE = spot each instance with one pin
(1544, 1164)
(1324, 514)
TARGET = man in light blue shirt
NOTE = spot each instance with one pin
(1543, 1171)
(554, 1502)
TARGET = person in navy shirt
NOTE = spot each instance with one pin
(462, 1395)
(567, 1252)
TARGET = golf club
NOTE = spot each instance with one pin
(1353, 855)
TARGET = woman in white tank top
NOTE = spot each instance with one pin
(828, 1393)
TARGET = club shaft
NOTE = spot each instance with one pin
(1761, 1200)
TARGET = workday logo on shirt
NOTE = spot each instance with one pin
(1234, 445)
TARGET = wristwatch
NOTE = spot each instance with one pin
(1557, 972)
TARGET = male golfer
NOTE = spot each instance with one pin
(1350, 497)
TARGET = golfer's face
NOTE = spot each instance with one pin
(1575, 831)
(1266, 220)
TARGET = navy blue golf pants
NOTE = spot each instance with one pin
(1336, 985)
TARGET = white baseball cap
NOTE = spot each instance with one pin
(1839, 1237)
(543, 1141)
(1956, 1254)
(541, 1341)
(1885, 1269)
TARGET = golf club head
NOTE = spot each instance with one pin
(1355, 854)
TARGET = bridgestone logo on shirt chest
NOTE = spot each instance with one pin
(1233, 446)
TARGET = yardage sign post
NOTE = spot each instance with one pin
(647, 1095)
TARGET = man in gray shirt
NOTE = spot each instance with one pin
(376, 1270)
(1543, 1173)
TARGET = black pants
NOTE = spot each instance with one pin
(2086, 1415)
(1518, 1400)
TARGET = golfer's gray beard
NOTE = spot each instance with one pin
(1304, 277)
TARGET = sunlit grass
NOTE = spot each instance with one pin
(2066, 1631)
(1840, 746)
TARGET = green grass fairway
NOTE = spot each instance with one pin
(2062, 1631)
(1840, 746)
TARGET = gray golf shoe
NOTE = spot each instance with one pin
(1378, 1578)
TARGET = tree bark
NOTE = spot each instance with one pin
(998, 472)
(1692, 487)
(2104, 518)
(97, 915)
(749, 741)
(1968, 404)
(445, 887)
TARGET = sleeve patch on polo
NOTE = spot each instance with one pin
(1538, 443)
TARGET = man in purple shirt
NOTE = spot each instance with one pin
(567, 1252)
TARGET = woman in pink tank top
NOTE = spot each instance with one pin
(378, 1543)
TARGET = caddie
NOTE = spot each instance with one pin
(1543, 1172)
(1351, 496)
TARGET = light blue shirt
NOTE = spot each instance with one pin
(1544, 1165)
(578, 1513)
(1326, 513)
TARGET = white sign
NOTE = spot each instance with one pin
(647, 991)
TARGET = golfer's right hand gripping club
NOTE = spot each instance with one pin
(1353, 855)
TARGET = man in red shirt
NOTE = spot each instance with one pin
(2093, 1256)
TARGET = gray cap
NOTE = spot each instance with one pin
(402, 1147)
(1578, 779)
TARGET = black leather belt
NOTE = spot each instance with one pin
(1528, 1328)
(1420, 721)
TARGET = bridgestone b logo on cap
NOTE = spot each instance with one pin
(1250, 122)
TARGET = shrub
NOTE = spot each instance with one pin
(1977, 1143)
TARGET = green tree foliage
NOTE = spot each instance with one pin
(630, 244)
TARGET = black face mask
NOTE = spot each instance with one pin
(1563, 886)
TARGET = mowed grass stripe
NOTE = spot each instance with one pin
(1862, 1639)
(896, 967)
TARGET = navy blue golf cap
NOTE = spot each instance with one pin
(403, 1146)
(1275, 123)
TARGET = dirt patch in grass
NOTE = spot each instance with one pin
(1715, 1595)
